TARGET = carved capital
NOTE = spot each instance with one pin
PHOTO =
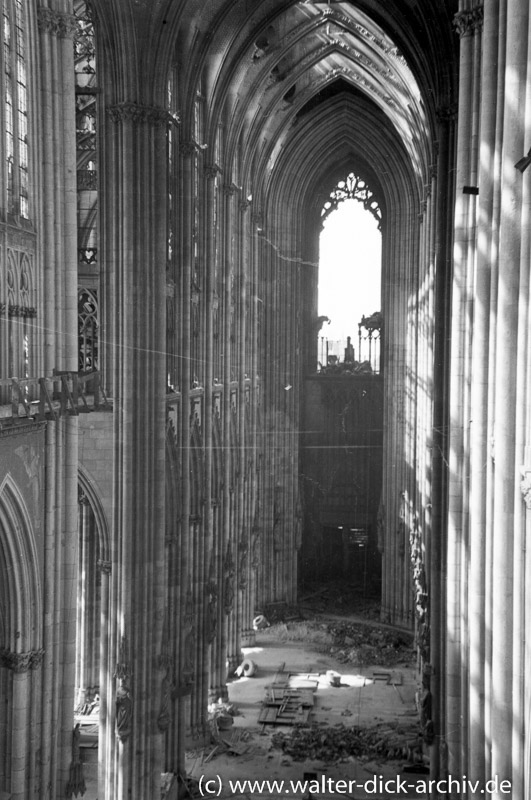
(87, 180)
(257, 217)
(104, 566)
(244, 205)
(57, 23)
(187, 149)
(21, 662)
(212, 171)
(139, 113)
(123, 667)
(230, 189)
(447, 113)
(525, 486)
(466, 23)
(123, 711)
(21, 311)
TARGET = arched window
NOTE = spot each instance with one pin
(353, 188)
(21, 313)
(87, 188)
(14, 102)
(350, 279)
(88, 329)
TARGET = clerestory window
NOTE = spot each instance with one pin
(352, 188)
(349, 321)
(15, 109)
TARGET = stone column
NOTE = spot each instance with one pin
(134, 213)
(58, 251)
(228, 629)
(22, 673)
(247, 458)
(468, 24)
(479, 429)
(187, 151)
(522, 558)
(442, 289)
(505, 590)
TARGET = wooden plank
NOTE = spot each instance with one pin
(268, 715)
(303, 683)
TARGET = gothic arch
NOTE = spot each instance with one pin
(94, 566)
(21, 638)
(87, 487)
(20, 585)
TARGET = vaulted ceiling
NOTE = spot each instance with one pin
(366, 77)
(263, 67)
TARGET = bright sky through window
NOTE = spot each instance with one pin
(349, 270)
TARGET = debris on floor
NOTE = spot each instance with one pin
(247, 668)
(342, 596)
(316, 706)
(288, 700)
(354, 643)
(167, 785)
(281, 612)
(260, 622)
(189, 788)
(221, 716)
(334, 743)
(364, 644)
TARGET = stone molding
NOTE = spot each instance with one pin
(21, 426)
(212, 171)
(447, 113)
(138, 113)
(466, 23)
(525, 486)
(19, 239)
(187, 149)
(230, 189)
(124, 697)
(19, 311)
(21, 662)
(59, 24)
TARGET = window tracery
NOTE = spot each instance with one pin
(20, 311)
(88, 312)
(87, 187)
(15, 142)
(353, 188)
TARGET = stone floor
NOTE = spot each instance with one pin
(362, 699)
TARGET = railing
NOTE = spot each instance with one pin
(339, 356)
(50, 398)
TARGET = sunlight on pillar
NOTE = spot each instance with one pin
(349, 272)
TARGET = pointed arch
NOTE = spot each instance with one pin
(90, 492)
(20, 582)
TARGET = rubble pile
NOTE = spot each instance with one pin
(281, 612)
(359, 644)
(370, 644)
(317, 633)
(318, 742)
(340, 597)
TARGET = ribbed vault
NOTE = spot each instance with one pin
(257, 72)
